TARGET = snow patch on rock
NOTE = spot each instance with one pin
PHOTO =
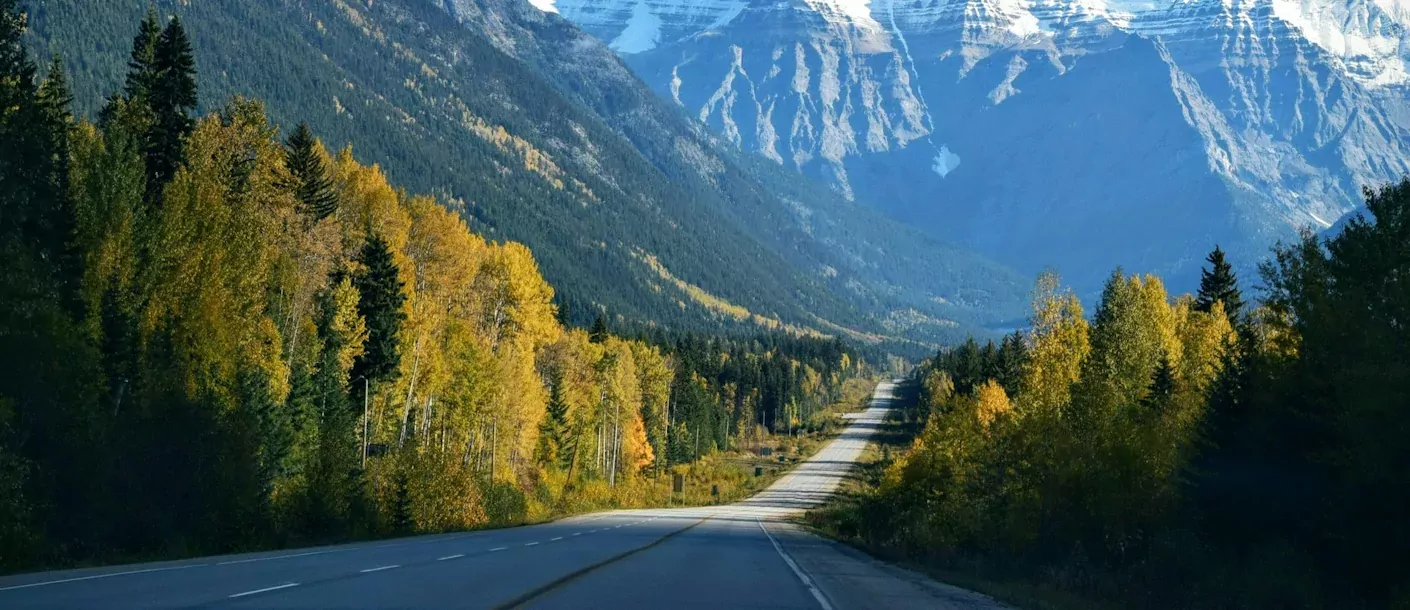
(945, 162)
(643, 31)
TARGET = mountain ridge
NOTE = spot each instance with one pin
(530, 158)
(1248, 114)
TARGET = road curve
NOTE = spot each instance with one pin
(741, 555)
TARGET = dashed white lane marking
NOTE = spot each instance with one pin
(555, 539)
(97, 576)
(265, 589)
(450, 557)
(379, 569)
(577, 533)
(531, 544)
(498, 548)
(803, 576)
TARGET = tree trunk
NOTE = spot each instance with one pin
(410, 389)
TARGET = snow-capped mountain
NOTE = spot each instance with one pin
(1081, 134)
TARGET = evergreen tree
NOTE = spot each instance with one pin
(1219, 284)
(332, 491)
(54, 124)
(17, 104)
(599, 332)
(312, 185)
(380, 301)
(142, 66)
(967, 363)
(172, 100)
(553, 432)
(402, 520)
(1012, 358)
(1162, 388)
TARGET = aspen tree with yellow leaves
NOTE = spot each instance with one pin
(236, 340)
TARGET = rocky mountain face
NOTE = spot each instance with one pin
(538, 133)
(1079, 134)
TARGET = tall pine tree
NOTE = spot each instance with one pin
(55, 125)
(172, 100)
(312, 185)
(1219, 284)
(553, 432)
(380, 300)
(1162, 388)
(142, 65)
(17, 103)
(599, 332)
(1012, 358)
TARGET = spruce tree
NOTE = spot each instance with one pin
(1013, 357)
(403, 522)
(1219, 284)
(1162, 388)
(380, 300)
(54, 124)
(968, 366)
(16, 110)
(172, 100)
(553, 431)
(312, 185)
(599, 332)
(142, 65)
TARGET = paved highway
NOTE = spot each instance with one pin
(744, 555)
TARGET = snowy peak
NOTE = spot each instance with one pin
(1370, 39)
(634, 26)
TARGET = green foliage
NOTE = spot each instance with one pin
(172, 99)
(142, 71)
(196, 364)
(453, 114)
(1188, 464)
(380, 301)
(554, 442)
(313, 187)
(1162, 388)
(1218, 284)
(598, 333)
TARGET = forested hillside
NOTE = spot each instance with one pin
(538, 134)
(1214, 451)
(217, 335)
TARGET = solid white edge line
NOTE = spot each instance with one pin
(450, 557)
(803, 576)
(227, 563)
(97, 576)
(266, 589)
(379, 569)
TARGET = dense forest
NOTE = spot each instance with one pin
(217, 335)
(542, 136)
(1180, 452)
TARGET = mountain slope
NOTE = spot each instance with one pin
(625, 203)
(1077, 133)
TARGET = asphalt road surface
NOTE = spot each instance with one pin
(744, 555)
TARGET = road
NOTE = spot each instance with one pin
(744, 555)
